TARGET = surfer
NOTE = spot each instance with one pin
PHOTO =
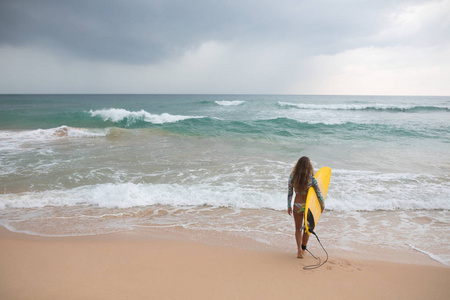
(300, 180)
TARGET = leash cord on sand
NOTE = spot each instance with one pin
(319, 264)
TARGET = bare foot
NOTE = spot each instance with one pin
(300, 253)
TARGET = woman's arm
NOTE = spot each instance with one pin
(290, 190)
(318, 193)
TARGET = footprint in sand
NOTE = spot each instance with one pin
(342, 264)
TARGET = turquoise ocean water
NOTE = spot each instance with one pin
(90, 164)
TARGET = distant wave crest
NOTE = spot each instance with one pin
(230, 103)
(375, 107)
(118, 115)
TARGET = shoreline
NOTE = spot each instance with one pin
(139, 265)
(418, 237)
(405, 255)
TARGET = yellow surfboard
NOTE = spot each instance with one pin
(312, 207)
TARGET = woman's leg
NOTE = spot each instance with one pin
(298, 217)
(305, 238)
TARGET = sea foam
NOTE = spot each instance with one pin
(371, 191)
(56, 132)
(118, 115)
(349, 191)
(435, 257)
(13, 139)
(125, 195)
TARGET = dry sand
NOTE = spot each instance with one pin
(122, 266)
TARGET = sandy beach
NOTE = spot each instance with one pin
(134, 266)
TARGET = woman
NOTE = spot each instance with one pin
(300, 180)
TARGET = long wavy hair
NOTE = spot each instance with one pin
(302, 171)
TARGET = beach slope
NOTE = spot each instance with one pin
(122, 266)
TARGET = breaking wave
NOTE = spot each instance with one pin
(362, 107)
(230, 103)
(118, 115)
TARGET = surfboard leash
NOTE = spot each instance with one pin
(320, 263)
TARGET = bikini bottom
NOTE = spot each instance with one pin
(300, 206)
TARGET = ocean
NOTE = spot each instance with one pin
(75, 165)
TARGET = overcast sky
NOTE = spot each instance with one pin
(364, 47)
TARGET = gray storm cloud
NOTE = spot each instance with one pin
(225, 46)
(148, 31)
